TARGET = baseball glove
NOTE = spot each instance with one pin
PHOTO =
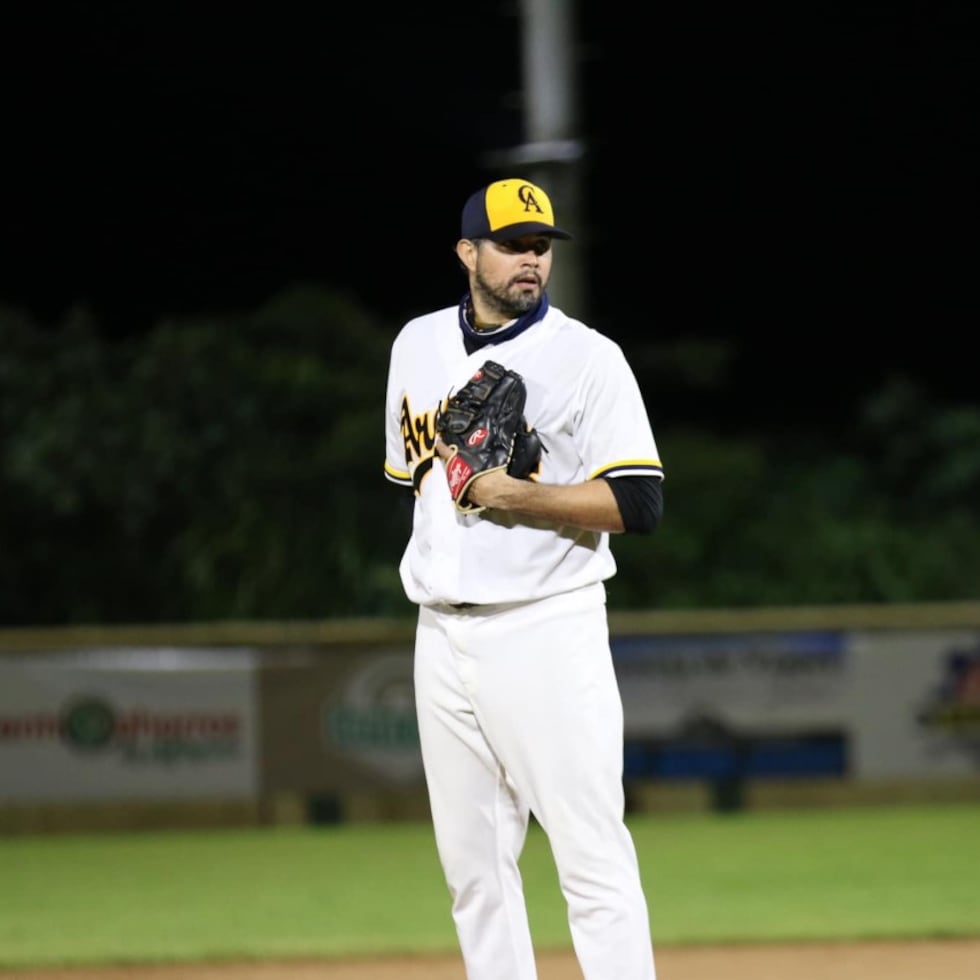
(480, 423)
(527, 452)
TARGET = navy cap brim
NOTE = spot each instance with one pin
(526, 228)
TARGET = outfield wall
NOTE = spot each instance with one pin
(299, 721)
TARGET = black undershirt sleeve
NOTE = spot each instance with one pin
(640, 500)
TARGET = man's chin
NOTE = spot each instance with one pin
(525, 301)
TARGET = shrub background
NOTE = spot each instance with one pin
(231, 468)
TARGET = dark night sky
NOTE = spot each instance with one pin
(800, 178)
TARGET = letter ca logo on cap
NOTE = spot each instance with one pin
(526, 194)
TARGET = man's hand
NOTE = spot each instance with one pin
(488, 490)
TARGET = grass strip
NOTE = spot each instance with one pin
(367, 889)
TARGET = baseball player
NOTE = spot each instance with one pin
(518, 707)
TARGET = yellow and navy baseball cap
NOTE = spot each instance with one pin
(508, 209)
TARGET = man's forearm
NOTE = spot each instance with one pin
(590, 505)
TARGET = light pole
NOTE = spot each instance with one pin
(552, 152)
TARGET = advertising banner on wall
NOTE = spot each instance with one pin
(198, 723)
(128, 724)
(340, 721)
(869, 705)
(915, 704)
(733, 705)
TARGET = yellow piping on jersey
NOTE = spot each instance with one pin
(401, 476)
(652, 466)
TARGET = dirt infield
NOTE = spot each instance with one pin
(922, 960)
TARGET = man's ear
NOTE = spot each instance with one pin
(466, 253)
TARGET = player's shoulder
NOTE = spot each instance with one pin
(580, 338)
(426, 327)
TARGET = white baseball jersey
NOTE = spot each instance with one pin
(584, 401)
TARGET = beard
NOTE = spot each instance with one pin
(512, 300)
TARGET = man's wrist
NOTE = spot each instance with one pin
(495, 489)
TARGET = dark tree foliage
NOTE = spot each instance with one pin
(231, 468)
(206, 470)
(888, 511)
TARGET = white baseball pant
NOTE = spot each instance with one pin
(519, 712)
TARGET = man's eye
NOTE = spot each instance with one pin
(538, 245)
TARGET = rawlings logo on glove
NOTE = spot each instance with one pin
(484, 425)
